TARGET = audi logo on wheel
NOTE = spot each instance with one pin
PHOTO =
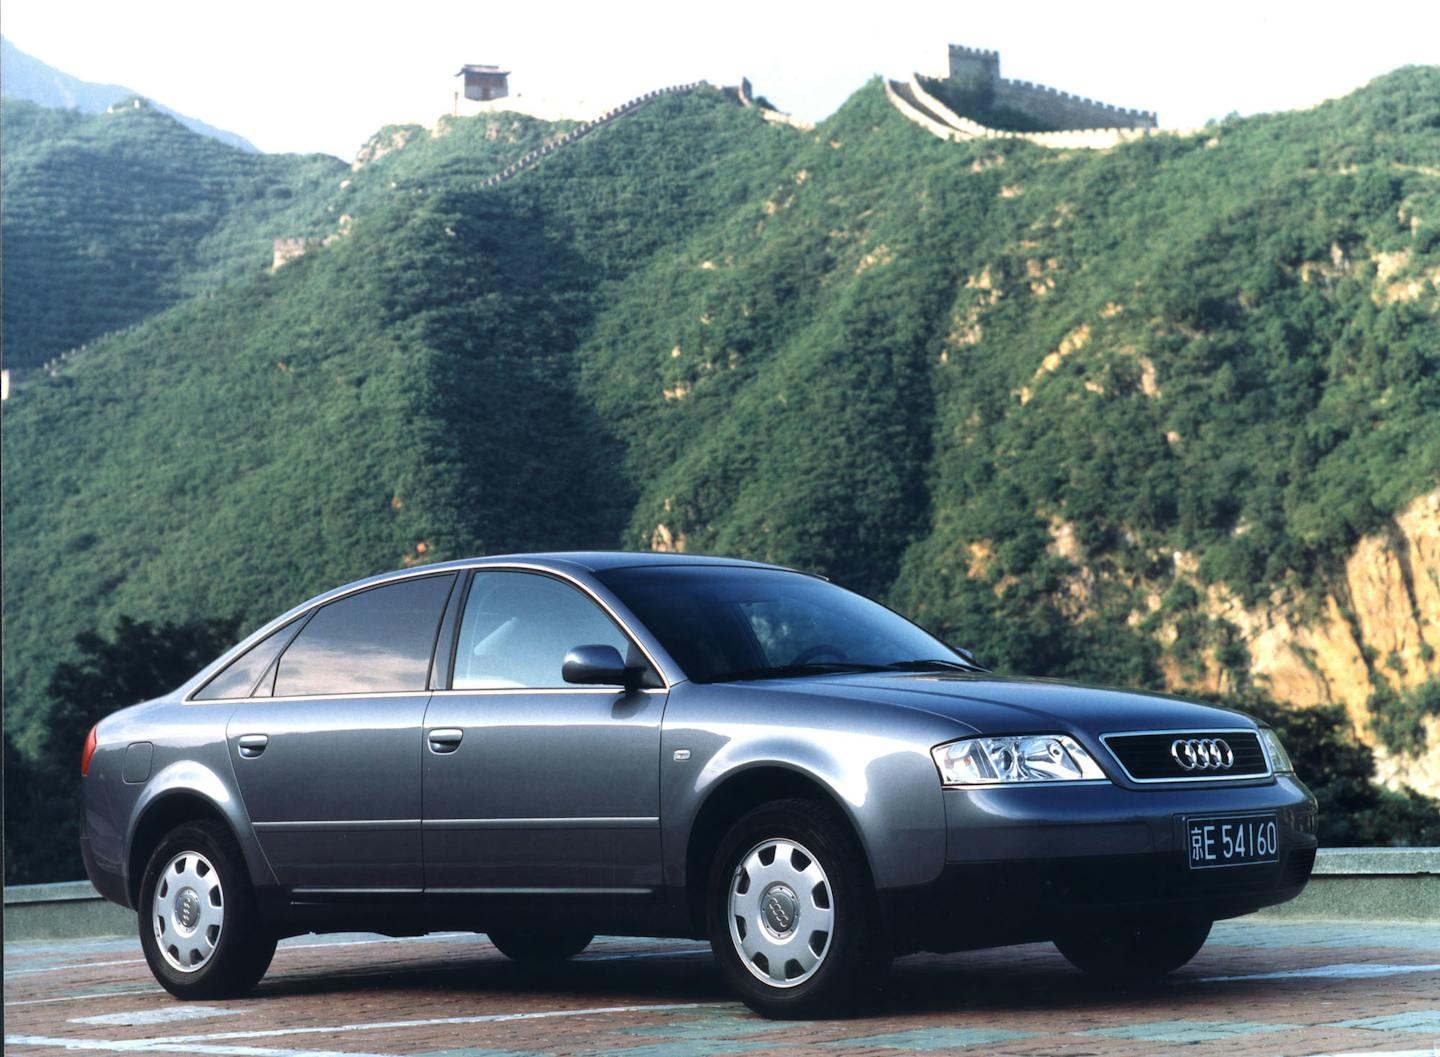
(1202, 754)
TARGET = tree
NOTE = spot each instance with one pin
(139, 661)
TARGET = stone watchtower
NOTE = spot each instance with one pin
(480, 85)
(975, 71)
(484, 83)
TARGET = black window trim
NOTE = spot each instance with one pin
(447, 633)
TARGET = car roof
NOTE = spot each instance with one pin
(556, 561)
(601, 561)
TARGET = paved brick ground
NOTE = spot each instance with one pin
(1257, 988)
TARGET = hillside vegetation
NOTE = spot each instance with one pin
(1048, 402)
(111, 218)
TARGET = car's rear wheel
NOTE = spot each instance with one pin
(1135, 950)
(792, 914)
(533, 946)
(199, 926)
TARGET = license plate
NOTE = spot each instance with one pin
(1232, 840)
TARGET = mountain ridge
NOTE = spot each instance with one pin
(22, 76)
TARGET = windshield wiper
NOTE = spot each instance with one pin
(785, 671)
(931, 663)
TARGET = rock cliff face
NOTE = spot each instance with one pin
(1378, 623)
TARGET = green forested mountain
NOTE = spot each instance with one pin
(111, 218)
(1004, 387)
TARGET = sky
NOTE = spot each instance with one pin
(315, 75)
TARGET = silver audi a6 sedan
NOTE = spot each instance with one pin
(546, 747)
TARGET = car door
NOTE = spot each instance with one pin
(327, 754)
(531, 783)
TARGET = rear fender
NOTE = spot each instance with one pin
(190, 789)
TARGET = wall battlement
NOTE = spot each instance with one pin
(975, 73)
(916, 100)
(974, 53)
(1093, 104)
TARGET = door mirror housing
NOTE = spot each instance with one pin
(598, 666)
(967, 656)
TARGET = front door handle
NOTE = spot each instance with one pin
(445, 739)
(252, 745)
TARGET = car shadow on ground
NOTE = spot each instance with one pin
(1037, 979)
(684, 978)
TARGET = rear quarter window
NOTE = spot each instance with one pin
(239, 677)
(375, 641)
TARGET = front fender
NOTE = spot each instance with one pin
(877, 769)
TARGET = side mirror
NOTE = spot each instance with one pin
(967, 657)
(597, 666)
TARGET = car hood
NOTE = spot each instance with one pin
(990, 704)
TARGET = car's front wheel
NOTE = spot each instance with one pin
(531, 946)
(1135, 950)
(792, 913)
(199, 926)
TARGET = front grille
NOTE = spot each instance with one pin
(1147, 757)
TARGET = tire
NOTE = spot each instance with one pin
(536, 946)
(790, 880)
(1135, 950)
(199, 926)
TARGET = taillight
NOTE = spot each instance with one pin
(88, 751)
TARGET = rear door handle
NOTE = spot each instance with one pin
(445, 740)
(252, 745)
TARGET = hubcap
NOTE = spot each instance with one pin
(782, 912)
(188, 911)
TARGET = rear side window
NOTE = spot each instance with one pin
(240, 676)
(379, 640)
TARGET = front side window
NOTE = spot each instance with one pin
(518, 627)
(735, 622)
(375, 641)
(240, 675)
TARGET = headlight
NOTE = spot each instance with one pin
(1028, 758)
(1279, 758)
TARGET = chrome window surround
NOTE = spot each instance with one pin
(432, 570)
(1269, 771)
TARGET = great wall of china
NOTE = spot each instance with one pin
(515, 168)
(978, 71)
(918, 99)
(288, 249)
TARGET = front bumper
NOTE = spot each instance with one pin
(1025, 864)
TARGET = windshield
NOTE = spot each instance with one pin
(729, 622)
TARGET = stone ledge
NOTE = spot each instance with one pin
(1381, 862)
(60, 892)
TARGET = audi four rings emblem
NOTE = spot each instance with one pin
(1202, 754)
